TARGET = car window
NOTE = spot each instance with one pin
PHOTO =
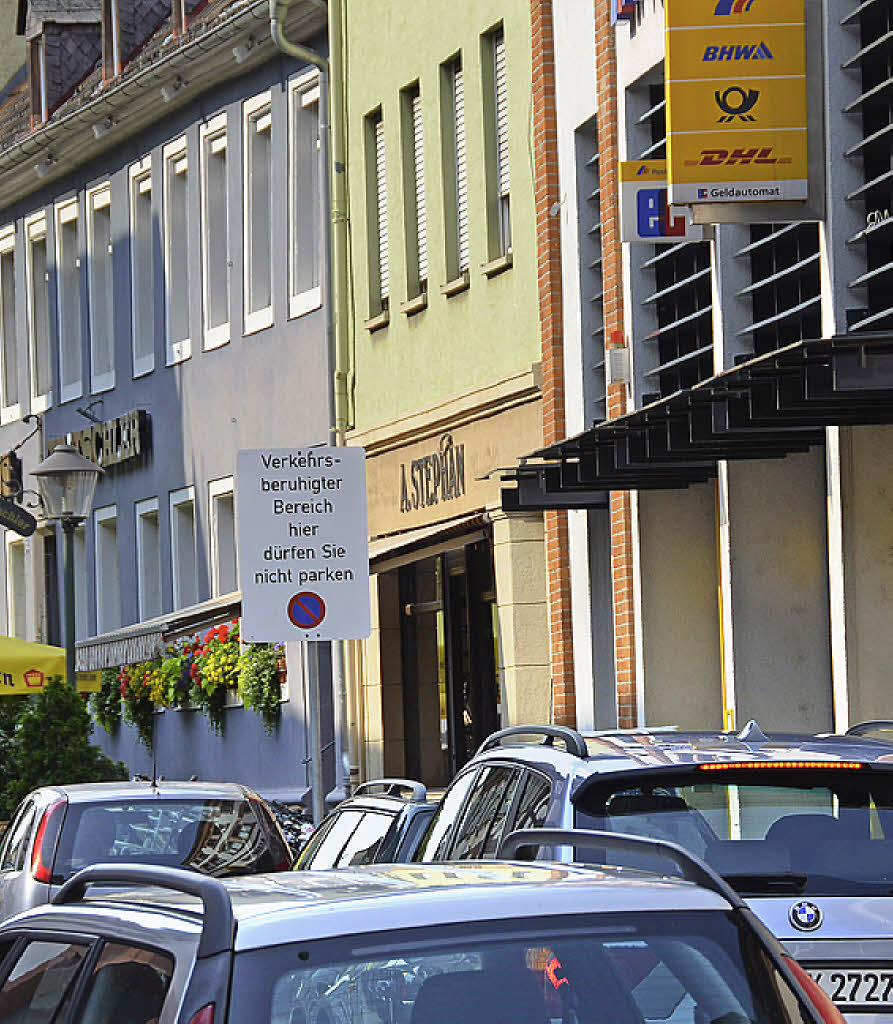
(534, 802)
(485, 812)
(127, 983)
(214, 836)
(324, 849)
(20, 831)
(437, 838)
(367, 837)
(41, 978)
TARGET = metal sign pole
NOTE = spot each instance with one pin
(318, 795)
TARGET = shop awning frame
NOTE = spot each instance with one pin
(765, 407)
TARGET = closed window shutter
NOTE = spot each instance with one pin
(419, 164)
(502, 121)
(461, 166)
(381, 191)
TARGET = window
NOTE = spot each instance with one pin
(142, 267)
(414, 190)
(377, 215)
(127, 976)
(100, 265)
(534, 803)
(38, 312)
(304, 197)
(68, 291)
(108, 575)
(81, 583)
(455, 168)
(258, 235)
(148, 559)
(437, 840)
(41, 983)
(183, 560)
(16, 592)
(38, 80)
(352, 837)
(481, 827)
(215, 233)
(15, 841)
(224, 571)
(9, 357)
(176, 251)
(497, 141)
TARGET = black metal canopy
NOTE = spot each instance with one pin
(763, 408)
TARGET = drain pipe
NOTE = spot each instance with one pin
(334, 251)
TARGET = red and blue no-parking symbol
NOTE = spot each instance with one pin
(306, 609)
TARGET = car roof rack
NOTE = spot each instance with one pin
(218, 923)
(394, 787)
(692, 868)
(573, 741)
(861, 728)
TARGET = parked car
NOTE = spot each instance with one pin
(381, 823)
(215, 828)
(801, 825)
(500, 943)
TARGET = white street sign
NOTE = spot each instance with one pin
(303, 544)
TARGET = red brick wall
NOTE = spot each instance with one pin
(548, 233)
(621, 515)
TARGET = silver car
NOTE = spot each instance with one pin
(217, 829)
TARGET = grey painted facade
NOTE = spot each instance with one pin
(263, 386)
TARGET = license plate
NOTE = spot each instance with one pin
(857, 988)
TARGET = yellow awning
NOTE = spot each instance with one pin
(25, 667)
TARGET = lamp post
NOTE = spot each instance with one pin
(66, 482)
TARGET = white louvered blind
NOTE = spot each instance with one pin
(418, 156)
(461, 166)
(502, 121)
(382, 212)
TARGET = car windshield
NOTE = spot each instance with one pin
(697, 967)
(214, 836)
(820, 831)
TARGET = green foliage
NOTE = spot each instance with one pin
(106, 705)
(259, 682)
(50, 745)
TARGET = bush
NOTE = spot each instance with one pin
(50, 745)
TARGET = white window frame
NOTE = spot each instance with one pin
(175, 156)
(9, 411)
(303, 91)
(183, 496)
(36, 231)
(101, 574)
(142, 510)
(213, 134)
(64, 213)
(257, 319)
(221, 488)
(139, 182)
(14, 540)
(98, 198)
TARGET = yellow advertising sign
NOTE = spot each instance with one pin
(26, 667)
(736, 100)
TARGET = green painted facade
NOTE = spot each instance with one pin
(490, 330)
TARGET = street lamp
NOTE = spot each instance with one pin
(66, 482)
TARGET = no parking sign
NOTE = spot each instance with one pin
(303, 544)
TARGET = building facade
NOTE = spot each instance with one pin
(161, 302)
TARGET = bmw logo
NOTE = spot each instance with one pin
(805, 916)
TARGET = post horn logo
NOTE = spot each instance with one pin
(735, 102)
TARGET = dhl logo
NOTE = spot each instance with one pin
(731, 157)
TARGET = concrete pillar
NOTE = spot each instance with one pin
(866, 469)
(680, 635)
(775, 582)
(522, 615)
(383, 681)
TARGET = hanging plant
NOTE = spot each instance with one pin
(135, 686)
(259, 682)
(214, 671)
(105, 706)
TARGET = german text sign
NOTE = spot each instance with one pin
(303, 544)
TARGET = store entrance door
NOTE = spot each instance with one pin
(450, 682)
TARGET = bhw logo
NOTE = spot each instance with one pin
(745, 51)
(653, 219)
(733, 6)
